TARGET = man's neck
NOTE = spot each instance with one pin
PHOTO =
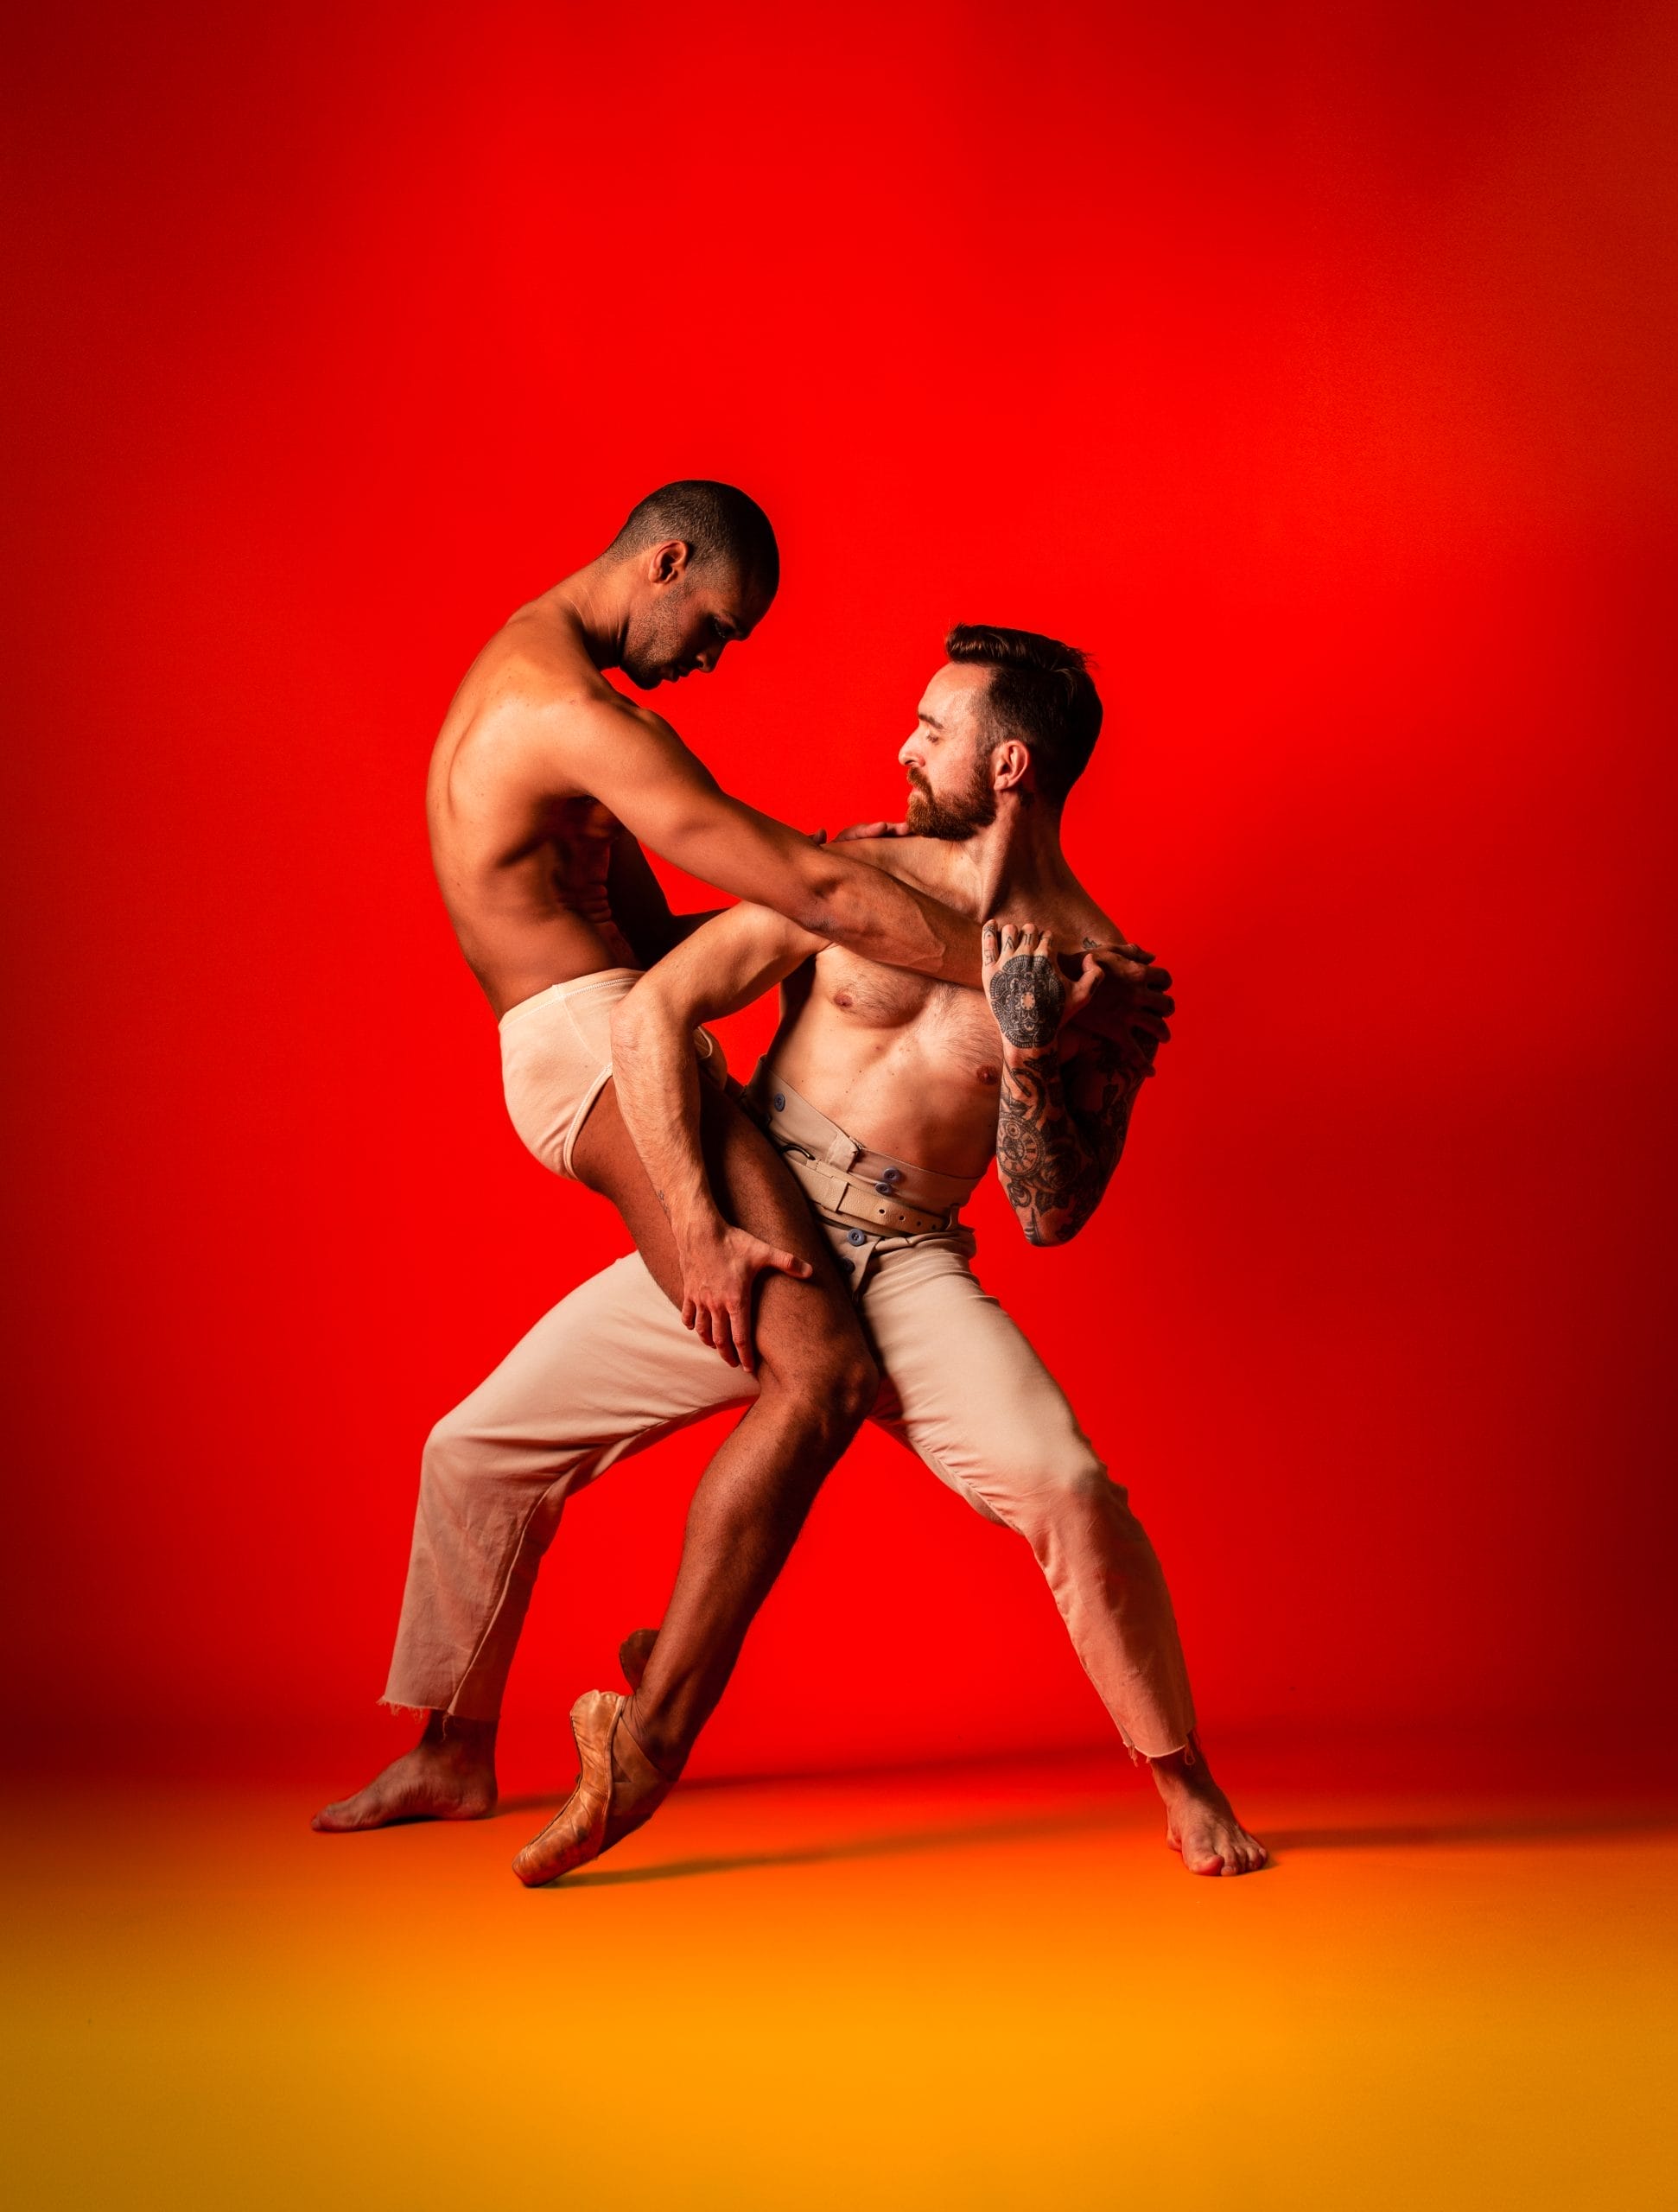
(595, 603)
(1016, 859)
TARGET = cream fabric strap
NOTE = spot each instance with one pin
(837, 1192)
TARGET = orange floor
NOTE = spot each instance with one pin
(967, 1988)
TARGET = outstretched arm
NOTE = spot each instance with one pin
(1060, 1124)
(721, 968)
(633, 762)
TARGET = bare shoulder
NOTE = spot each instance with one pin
(1081, 926)
(534, 695)
(925, 862)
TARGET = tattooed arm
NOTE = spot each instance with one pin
(1060, 1126)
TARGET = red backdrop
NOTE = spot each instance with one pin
(1310, 366)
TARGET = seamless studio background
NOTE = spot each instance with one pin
(1311, 366)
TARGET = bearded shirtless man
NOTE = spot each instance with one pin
(542, 780)
(889, 1093)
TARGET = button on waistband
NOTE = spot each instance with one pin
(856, 1236)
(780, 1101)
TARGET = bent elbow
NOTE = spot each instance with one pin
(1058, 1230)
(629, 1024)
(820, 904)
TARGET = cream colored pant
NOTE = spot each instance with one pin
(611, 1369)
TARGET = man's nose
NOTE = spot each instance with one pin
(908, 753)
(709, 657)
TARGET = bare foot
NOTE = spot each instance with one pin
(1200, 1820)
(447, 1776)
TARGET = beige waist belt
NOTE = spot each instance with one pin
(890, 1196)
(837, 1192)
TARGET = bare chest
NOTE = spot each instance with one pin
(949, 1022)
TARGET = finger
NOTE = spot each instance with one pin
(741, 1324)
(687, 1312)
(1088, 977)
(724, 1338)
(1158, 979)
(1010, 939)
(790, 1264)
(818, 837)
(702, 1324)
(1115, 965)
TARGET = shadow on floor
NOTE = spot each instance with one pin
(861, 1846)
(1419, 1835)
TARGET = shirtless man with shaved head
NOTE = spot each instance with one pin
(544, 784)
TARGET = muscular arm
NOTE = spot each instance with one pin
(639, 906)
(1060, 1128)
(635, 764)
(723, 967)
(1060, 1124)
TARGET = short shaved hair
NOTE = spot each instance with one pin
(1041, 692)
(717, 522)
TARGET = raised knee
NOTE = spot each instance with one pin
(855, 1387)
(837, 1394)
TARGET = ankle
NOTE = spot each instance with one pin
(662, 1745)
(1184, 1769)
(467, 1743)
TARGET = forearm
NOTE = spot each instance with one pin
(883, 918)
(656, 1074)
(682, 926)
(734, 959)
(1055, 1162)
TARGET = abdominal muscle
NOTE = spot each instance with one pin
(903, 1092)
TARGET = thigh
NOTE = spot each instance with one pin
(964, 1387)
(607, 1367)
(795, 1322)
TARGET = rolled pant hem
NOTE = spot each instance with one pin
(451, 1711)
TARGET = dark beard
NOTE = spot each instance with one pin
(957, 819)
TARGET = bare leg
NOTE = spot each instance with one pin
(817, 1381)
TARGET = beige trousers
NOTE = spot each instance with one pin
(611, 1369)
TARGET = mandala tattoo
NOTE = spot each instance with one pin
(1026, 995)
(1056, 1158)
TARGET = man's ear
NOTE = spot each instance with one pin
(666, 562)
(1008, 764)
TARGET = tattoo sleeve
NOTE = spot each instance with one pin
(1056, 1158)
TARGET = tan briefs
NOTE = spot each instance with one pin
(556, 1057)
